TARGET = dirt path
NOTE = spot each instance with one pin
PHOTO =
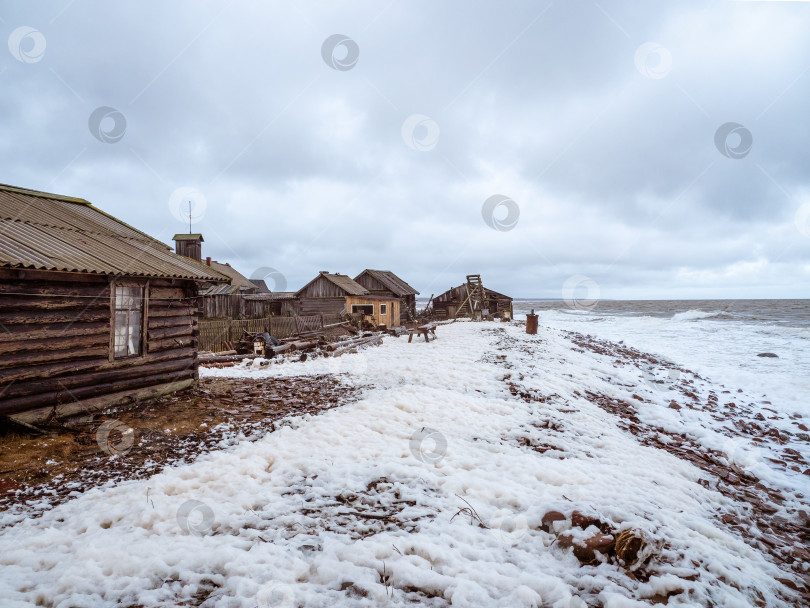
(37, 474)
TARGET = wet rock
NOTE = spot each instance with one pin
(547, 523)
(769, 355)
(580, 520)
(585, 550)
(604, 543)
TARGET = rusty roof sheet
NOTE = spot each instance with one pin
(47, 231)
(391, 282)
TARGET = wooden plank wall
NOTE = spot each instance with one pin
(235, 306)
(322, 288)
(326, 305)
(387, 319)
(56, 337)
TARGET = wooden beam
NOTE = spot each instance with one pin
(96, 404)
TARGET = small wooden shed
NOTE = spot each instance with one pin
(331, 293)
(93, 312)
(386, 283)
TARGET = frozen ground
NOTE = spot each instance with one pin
(432, 490)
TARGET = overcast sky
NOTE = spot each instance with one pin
(343, 136)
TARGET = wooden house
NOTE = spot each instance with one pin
(222, 301)
(93, 312)
(335, 293)
(386, 283)
(471, 299)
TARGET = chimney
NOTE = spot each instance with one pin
(189, 245)
(208, 261)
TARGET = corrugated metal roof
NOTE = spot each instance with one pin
(219, 290)
(391, 281)
(274, 296)
(47, 231)
(237, 278)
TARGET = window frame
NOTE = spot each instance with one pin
(142, 309)
(384, 308)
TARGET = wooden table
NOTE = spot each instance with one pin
(424, 330)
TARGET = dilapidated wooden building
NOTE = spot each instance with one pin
(386, 283)
(223, 301)
(471, 300)
(330, 293)
(93, 312)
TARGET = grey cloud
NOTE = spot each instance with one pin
(304, 167)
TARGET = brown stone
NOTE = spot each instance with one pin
(549, 518)
(603, 543)
(580, 520)
(565, 540)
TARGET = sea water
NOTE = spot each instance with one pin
(719, 339)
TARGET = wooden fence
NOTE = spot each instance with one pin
(217, 335)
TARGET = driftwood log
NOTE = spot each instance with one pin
(225, 358)
(371, 341)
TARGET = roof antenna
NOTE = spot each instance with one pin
(189, 216)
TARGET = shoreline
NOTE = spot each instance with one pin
(509, 429)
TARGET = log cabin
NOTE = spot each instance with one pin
(386, 283)
(330, 293)
(454, 303)
(93, 312)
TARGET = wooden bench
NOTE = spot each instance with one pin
(424, 330)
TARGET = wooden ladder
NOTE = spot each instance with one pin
(475, 300)
(477, 295)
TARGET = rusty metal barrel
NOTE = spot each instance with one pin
(531, 323)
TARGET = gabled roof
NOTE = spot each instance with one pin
(238, 280)
(261, 285)
(349, 286)
(391, 282)
(45, 231)
(188, 237)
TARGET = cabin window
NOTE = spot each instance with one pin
(366, 309)
(383, 309)
(128, 319)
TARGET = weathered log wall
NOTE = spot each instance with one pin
(325, 305)
(56, 340)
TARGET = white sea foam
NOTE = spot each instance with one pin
(719, 344)
(283, 517)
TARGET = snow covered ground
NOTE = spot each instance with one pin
(429, 490)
